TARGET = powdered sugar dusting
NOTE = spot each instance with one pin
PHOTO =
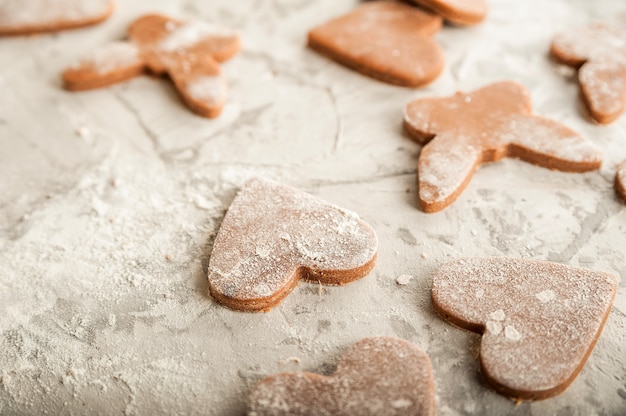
(43, 12)
(620, 176)
(484, 126)
(444, 165)
(551, 315)
(596, 41)
(495, 327)
(549, 138)
(160, 44)
(546, 296)
(603, 83)
(376, 376)
(498, 315)
(511, 333)
(601, 47)
(271, 230)
(211, 90)
(116, 55)
(404, 279)
(192, 33)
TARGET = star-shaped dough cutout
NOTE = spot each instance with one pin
(188, 52)
(599, 51)
(466, 130)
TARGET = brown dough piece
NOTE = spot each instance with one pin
(539, 320)
(23, 17)
(188, 52)
(274, 235)
(458, 12)
(620, 180)
(376, 376)
(461, 132)
(389, 41)
(599, 51)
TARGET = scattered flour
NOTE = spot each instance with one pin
(404, 279)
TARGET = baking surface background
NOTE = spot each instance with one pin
(99, 189)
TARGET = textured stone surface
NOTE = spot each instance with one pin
(110, 199)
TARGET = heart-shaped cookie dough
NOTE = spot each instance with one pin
(274, 235)
(599, 51)
(461, 132)
(376, 376)
(188, 52)
(539, 320)
(386, 40)
(20, 17)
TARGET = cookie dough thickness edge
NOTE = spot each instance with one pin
(267, 244)
(450, 299)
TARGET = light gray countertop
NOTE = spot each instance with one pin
(99, 189)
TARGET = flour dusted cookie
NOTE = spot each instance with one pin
(376, 376)
(620, 180)
(22, 17)
(461, 132)
(539, 320)
(386, 40)
(188, 52)
(274, 235)
(599, 51)
(459, 12)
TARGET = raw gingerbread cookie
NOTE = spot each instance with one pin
(385, 40)
(274, 235)
(620, 180)
(461, 132)
(376, 376)
(539, 320)
(22, 17)
(459, 12)
(188, 52)
(599, 51)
